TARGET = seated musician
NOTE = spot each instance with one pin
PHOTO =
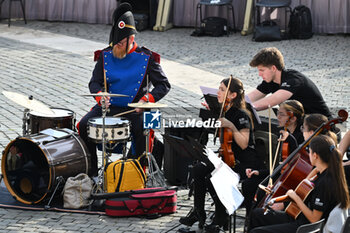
(283, 84)
(314, 121)
(237, 119)
(126, 67)
(311, 123)
(290, 117)
(344, 145)
(329, 190)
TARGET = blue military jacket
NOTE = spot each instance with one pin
(128, 76)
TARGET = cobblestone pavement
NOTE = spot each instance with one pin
(35, 62)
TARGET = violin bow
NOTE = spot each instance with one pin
(270, 146)
(222, 106)
(290, 114)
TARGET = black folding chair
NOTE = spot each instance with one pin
(227, 3)
(22, 2)
(311, 227)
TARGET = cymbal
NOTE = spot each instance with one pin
(147, 105)
(24, 101)
(105, 94)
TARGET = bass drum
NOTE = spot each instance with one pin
(31, 165)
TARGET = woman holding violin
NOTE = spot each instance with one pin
(329, 190)
(290, 117)
(241, 143)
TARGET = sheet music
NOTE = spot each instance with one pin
(247, 99)
(225, 183)
(209, 90)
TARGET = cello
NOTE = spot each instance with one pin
(303, 190)
(298, 165)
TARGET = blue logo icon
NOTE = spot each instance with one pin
(152, 120)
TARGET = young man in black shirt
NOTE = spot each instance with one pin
(284, 84)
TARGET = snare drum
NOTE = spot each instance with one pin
(31, 164)
(61, 118)
(116, 129)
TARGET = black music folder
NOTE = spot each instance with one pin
(187, 148)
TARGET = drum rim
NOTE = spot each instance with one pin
(125, 122)
(40, 115)
(4, 173)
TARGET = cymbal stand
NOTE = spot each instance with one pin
(156, 177)
(25, 126)
(101, 182)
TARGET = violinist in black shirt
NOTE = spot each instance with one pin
(237, 120)
(290, 116)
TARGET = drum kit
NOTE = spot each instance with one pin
(35, 164)
(57, 151)
(110, 131)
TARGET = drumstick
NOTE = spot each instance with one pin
(123, 113)
(105, 81)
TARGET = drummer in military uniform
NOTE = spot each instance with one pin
(126, 67)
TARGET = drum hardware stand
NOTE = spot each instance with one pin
(153, 168)
(101, 182)
(25, 122)
(59, 179)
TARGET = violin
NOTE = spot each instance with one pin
(299, 165)
(285, 145)
(226, 138)
(283, 152)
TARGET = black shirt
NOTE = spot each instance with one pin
(294, 139)
(242, 121)
(321, 198)
(303, 89)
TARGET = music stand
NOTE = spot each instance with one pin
(186, 148)
(213, 103)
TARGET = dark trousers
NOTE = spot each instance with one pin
(272, 222)
(201, 175)
(136, 121)
(249, 189)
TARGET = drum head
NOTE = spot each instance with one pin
(26, 171)
(58, 112)
(109, 121)
(31, 165)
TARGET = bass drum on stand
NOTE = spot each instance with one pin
(31, 164)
